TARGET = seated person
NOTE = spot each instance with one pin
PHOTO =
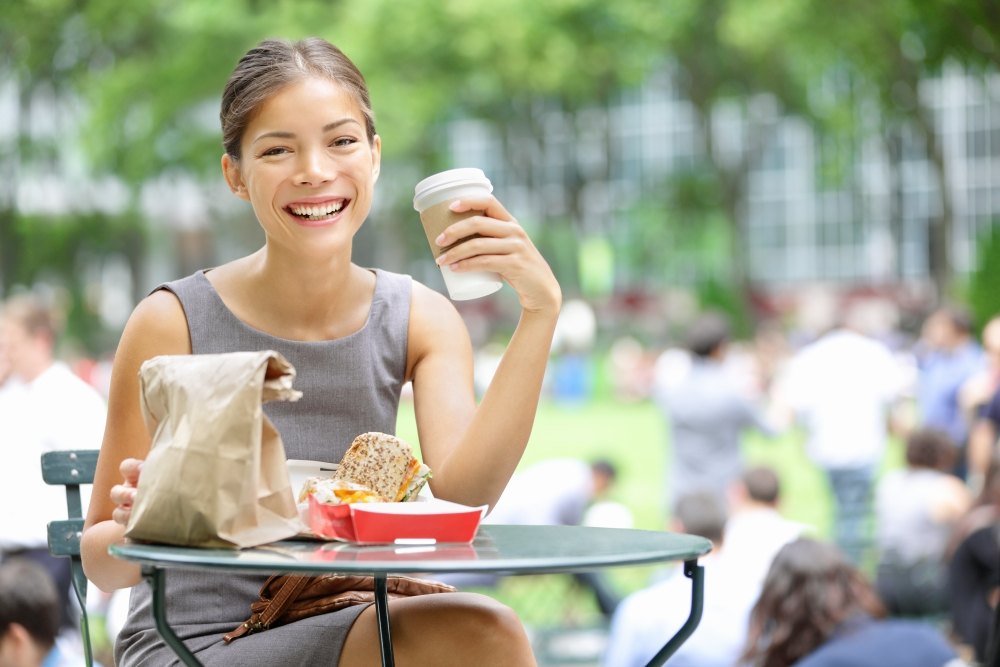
(755, 529)
(974, 589)
(817, 610)
(647, 619)
(554, 492)
(30, 612)
(916, 509)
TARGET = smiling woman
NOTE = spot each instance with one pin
(301, 148)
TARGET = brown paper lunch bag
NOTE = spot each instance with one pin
(215, 475)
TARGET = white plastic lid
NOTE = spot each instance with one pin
(449, 179)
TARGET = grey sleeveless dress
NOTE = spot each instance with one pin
(349, 386)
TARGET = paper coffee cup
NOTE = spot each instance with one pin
(431, 198)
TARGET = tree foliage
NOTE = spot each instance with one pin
(144, 80)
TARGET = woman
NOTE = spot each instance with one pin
(300, 146)
(916, 509)
(817, 610)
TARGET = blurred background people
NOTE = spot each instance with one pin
(817, 610)
(916, 510)
(554, 492)
(706, 411)
(981, 397)
(756, 530)
(647, 619)
(52, 410)
(974, 566)
(949, 357)
(29, 618)
(841, 388)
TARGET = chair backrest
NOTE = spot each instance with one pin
(71, 468)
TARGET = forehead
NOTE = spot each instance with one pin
(308, 103)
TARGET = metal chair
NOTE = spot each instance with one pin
(71, 469)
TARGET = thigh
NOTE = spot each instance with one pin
(444, 629)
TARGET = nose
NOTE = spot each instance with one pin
(314, 167)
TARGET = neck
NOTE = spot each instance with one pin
(32, 369)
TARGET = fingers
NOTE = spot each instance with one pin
(481, 225)
(123, 496)
(130, 469)
(490, 206)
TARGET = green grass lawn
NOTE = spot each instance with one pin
(633, 435)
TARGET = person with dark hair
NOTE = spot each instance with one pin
(916, 509)
(973, 556)
(300, 147)
(755, 529)
(706, 413)
(975, 397)
(29, 617)
(647, 619)
(818, 610)
(947, 357)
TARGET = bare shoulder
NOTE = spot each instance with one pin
(435, 324)
(158, 325)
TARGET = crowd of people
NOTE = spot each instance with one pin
(920, 542)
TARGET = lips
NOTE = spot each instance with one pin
(315, 211)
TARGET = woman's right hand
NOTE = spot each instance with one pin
(123, 495)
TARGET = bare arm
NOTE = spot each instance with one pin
(474, 450)
(157, 326)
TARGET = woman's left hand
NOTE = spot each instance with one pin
(502, 246)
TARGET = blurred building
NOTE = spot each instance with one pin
(867, 225)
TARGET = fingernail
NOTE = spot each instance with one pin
(440, 260)
(440, 239)
(455, 205)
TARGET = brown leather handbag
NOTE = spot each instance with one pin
(285, 598)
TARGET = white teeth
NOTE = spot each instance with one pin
(319, 211)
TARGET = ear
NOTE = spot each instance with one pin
(376, 157)
(233, 176)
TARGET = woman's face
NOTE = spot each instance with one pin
(307, 166)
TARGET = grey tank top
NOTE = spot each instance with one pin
(349, 386)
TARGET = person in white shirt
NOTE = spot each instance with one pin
(756, 530)
(647, 619)
(49, 408)
(841, 388)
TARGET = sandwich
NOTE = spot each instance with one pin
(385, 465)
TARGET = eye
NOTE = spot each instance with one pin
(277, 150)
(342, 142)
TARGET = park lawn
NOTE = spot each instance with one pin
(633, 436)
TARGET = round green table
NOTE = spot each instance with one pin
(497, 549)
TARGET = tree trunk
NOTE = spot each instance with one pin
(939, 232)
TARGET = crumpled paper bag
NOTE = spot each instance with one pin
(216, 474)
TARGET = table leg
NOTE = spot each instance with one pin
(158, 582)
(382, 611)
(696, 573)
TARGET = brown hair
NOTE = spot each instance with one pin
(28, 597)
(29, 312)
(274, 64)
(930, 448)
(809, 591)
(762, 484)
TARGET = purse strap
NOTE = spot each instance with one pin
(288, 590)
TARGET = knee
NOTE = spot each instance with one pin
(493, 625)
(469, 629)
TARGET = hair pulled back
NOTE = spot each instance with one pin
(274, 64)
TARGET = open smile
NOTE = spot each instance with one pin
(318, 212)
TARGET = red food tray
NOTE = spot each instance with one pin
(422, 522)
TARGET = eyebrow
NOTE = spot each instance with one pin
(280, 134)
